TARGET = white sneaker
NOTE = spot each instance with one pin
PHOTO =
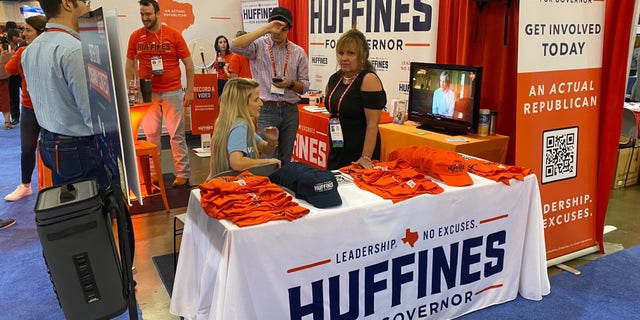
(20, 192)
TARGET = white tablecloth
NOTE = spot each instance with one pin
(438, 256)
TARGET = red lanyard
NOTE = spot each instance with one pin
(62, 30)
(343, 93)
(273, 59)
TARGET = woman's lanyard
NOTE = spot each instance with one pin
(341, 96)
(273, 59)
(54, 29)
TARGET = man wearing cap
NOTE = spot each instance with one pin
(282, 69)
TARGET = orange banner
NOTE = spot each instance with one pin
(312, 141)
(204, 109)
(557, 118)
(557, 136)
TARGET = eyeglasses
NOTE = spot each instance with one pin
(86, 2)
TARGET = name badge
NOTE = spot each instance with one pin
(277, 91)
(335, 130)
(156, 65)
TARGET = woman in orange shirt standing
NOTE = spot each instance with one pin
(223, 58)
(29, 128)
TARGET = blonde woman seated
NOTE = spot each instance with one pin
(235, 143)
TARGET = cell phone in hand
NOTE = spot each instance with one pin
(276, 79)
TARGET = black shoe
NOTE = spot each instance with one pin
(6, 223)
(14, 122)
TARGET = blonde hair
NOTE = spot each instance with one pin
(234, 103)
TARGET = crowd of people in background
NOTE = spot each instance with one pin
(261, 78)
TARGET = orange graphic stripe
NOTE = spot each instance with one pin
(417, 44)
(316, 43)
(489, 287)
(311, 265)
(504, 216)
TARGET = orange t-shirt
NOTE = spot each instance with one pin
(240, 66)
(496, 171)
(248, 200)
(14, 66)
(395, 180)
(168, 44)
(228, 58)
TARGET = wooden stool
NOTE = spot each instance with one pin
(144, 151)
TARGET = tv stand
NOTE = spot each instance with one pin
(394, 136)
(441, 130)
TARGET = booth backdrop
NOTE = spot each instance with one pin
(467, 35)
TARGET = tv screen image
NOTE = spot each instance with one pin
(445, 97)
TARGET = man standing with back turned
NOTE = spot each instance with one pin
(282, 69)
(159, 49)
(54, 70)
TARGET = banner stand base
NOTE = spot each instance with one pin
(573, 255)
(569, 269)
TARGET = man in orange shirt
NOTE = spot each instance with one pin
(159, 50)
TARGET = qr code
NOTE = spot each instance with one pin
(559, 154)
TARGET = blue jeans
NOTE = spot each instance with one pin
(286, 120)
(29, 130)
(72, 158)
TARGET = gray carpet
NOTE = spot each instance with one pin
(165, 267)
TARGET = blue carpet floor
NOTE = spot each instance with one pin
(607, 288)
(25, 289)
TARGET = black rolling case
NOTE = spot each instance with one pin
(91, 280)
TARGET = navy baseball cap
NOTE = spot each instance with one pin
(281, 14)
(318, 187)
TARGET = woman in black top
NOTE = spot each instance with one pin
(355, 98)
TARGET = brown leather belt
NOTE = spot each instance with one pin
(276, 103)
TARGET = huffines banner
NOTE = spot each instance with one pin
(256, 13)
(559, 66)
(398, 33)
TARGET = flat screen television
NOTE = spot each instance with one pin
(444, 97)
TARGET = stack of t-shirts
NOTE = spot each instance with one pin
(394, 180)
(496, 171)
(446, 166)
(247, 200)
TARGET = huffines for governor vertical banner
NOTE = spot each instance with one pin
(559, 66)
(398, 33)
